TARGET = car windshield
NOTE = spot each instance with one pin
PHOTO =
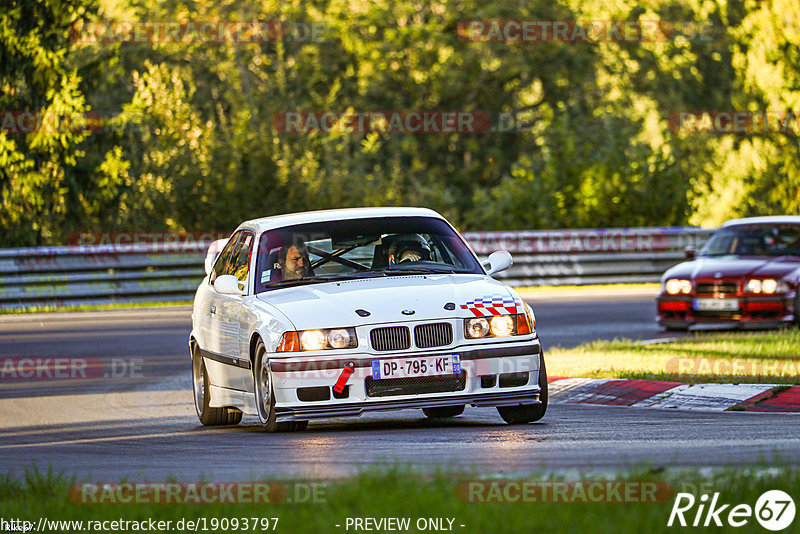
(360, 248)
(755, 240)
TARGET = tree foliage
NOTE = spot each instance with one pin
(189, 139)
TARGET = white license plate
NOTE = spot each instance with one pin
(716, 304)
(412, 367)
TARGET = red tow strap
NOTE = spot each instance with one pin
(349, 367)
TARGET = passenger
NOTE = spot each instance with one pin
(407, 248)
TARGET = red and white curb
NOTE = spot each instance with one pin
(657, 394)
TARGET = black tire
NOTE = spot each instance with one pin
(443, 411)
(208, 416)
(265, 396)
(676, 328)
(528, 413)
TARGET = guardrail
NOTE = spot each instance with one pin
(580, 257)
(170, 272)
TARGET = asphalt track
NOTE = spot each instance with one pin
(141, 424)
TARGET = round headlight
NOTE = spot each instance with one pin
(312, 340)
(502, 325)
(754, 286)
(339, 338)
(769, 285)
(478, 327)
(673, 286)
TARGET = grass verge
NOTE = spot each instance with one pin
(399, 493)
(587, 288)
(93, 307)
(755, 357)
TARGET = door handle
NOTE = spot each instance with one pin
(213, 310)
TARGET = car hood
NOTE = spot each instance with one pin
(334, 304)
(734, 267)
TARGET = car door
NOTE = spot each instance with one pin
(229, 309)
(207, 308)
(221, 346)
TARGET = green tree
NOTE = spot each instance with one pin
(46, 177)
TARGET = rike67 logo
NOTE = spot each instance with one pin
(774, 510)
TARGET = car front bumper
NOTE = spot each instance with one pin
(484, 368)
(758, 312)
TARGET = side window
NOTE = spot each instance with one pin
(239, 264)
(222, 260)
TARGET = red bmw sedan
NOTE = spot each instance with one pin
(746, 275)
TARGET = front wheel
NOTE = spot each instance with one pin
(265, 395)
(528, 413)
(208, 416)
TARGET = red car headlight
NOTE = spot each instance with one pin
(766, 286)
(674, 286)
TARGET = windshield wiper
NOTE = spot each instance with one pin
(418, 270)
(348, 276)
(326, 278)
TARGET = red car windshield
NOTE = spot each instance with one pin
(755, 240)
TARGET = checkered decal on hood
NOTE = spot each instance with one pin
(497, 304)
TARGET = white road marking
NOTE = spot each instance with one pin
(715, 397)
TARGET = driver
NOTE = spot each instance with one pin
(411, 247)
(294, 261)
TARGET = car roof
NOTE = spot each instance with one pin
(774, 219)
(290, 219)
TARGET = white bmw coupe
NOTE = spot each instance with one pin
(337, 313)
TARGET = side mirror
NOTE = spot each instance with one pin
(689, 252)
(213, 251)
(497, 261)
(227, 284)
